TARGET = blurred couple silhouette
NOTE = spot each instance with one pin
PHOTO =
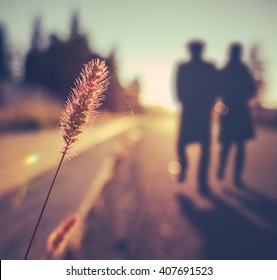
(198, 86)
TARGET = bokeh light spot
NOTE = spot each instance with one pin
(174, 167)
(31, 159)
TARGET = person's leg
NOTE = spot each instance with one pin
(239, 163)
(182, 156)
(204, 164)
(224, 153)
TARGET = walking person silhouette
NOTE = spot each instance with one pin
(237, 86)
(196, 91)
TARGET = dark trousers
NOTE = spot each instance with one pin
(203, 163)
(239, 158)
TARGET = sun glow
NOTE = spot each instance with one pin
(156, 84)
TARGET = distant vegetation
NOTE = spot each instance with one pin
(49, 73)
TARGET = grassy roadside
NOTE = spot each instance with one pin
(26, 155)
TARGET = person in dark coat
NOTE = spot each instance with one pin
(195, 86)
(237, 86)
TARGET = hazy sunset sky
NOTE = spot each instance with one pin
(149, 36)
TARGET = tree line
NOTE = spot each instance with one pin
(56, 66)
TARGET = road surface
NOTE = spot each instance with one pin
(143, 212)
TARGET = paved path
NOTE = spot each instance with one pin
(143, 213)
(26, 155)
(20, 204)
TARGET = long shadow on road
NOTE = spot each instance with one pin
(228, 235)
(262, 206)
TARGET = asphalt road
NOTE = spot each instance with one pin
(20, 207)
(143, 212)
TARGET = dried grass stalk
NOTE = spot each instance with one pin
(83, 101)
(81, 105)
(58, 238)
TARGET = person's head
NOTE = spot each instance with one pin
(236, 51)
(196, 48)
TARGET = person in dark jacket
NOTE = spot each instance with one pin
(195, 87)
(237, 86)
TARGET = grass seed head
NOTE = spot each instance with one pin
(83, 100)
(57, 239)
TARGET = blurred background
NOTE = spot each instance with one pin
(141, 40)
(43, 46)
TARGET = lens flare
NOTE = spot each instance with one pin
(174, 167)
(31, 159)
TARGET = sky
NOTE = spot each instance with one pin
(149, 36)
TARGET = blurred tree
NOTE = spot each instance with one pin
(4, 55)
(116, 99)
(75, 24)
(77, 52)
(66, 58)
(35, 60)
(133, 91)
(57, 66)
(4, 61)
(36, 43)
(257, 66)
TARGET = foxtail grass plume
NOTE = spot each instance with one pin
(83, 100)
(57, 239)
(81, 105)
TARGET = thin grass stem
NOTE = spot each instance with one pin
(44, 206)
(82, 102)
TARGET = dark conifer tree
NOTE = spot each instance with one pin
(34, 64)
(4, 61)
(4, 55)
